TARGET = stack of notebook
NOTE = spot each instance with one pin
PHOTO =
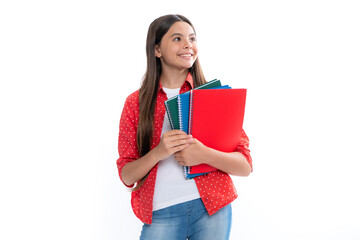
(211, 113)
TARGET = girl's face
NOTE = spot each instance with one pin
(177, 49)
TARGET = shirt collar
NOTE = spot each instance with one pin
(188, 80)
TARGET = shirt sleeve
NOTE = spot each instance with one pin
(243, 148)
(127, 146)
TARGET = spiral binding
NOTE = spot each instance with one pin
(188, 169)
(186, 172)
(191, 115)
(181, 124)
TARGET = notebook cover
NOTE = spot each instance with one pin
(184, 104)
(216, 118)
(171, 104)
(171, 110)
(189, 175)
(183, 110)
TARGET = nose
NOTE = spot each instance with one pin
(187, 44)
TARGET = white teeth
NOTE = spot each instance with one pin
(186, 55)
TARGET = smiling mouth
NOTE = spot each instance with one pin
(186, 55)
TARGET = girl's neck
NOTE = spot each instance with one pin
(173, 79)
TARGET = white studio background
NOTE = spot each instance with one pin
(66, 68)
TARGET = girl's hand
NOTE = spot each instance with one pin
(192, 155)
(171, 142)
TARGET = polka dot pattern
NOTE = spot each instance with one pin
(216, 189)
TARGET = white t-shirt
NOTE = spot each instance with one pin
(171, 186)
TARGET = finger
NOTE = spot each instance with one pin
(179, 148)
(179, 139)
(175, 132)
(175, 135)
(173, 142)
(179, 142)
(182, 163)
(178, 156)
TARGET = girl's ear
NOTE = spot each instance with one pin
(157, 51)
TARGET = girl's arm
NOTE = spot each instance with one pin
(171, 142)
(134, 171)
(233, 163)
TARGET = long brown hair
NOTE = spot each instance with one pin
(150, 84)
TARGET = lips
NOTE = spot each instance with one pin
(186, 55)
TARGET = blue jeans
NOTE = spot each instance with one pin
(188, 220)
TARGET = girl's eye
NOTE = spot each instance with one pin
(177, 39)
(193, 39)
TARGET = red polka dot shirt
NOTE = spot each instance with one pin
(216, 189)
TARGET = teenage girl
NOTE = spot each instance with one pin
(152, 155)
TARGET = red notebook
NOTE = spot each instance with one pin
(215, 119)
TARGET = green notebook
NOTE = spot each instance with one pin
(171, 104)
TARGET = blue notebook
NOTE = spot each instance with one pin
(183, 110)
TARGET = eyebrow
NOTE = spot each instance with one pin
(179, 34)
